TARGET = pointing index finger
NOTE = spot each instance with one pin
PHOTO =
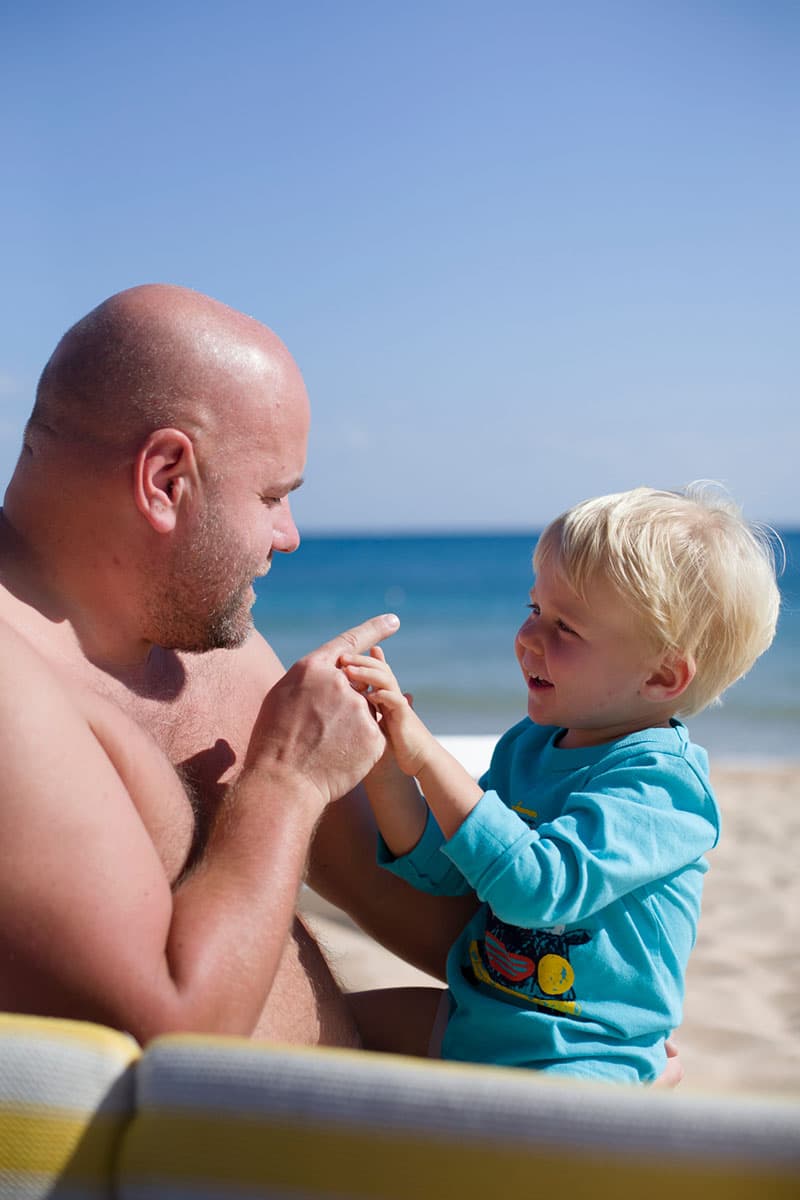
(361, 638)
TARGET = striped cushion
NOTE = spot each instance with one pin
(66, 1095)
(222, 1118)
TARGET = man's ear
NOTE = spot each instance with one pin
(671, 677)
(164, 473)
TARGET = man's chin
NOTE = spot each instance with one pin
(232, 636)
(225, 634)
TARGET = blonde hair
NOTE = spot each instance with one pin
(699, 577)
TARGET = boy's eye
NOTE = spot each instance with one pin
(534, 609)
(562, 625)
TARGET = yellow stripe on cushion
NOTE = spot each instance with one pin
(217, 1151)
(60, 1143)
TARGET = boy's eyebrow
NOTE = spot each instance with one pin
(565, 610)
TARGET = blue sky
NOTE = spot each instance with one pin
(523, 252)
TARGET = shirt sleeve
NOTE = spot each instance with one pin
(425, 867)
(642, 823)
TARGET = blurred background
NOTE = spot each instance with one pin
(523, 253)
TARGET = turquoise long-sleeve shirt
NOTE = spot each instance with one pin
(589, 865)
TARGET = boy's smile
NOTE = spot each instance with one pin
(587, 664)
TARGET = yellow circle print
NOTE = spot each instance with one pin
(554, 974)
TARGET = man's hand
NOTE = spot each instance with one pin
(370, 674)
(315, 725)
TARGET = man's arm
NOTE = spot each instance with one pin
(90, 927)
(343, 868)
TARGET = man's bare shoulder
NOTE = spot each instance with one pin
(24, 623)
(15, 652)
(25, 670)
(82, 885)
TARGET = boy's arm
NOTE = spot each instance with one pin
(400, 811)
(609, 841)
(604, 845)
(450, 792)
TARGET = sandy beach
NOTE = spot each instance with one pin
(741, 1028)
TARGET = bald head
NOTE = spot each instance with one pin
(159, 356)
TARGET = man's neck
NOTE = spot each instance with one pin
(46, 574)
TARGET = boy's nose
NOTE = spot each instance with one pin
(528, 635)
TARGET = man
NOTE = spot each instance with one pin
(161, 778)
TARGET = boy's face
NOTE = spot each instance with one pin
(586, 664)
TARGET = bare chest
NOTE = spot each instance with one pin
(177, 734)
(163, 801)
(178, 745)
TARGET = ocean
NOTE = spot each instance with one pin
(460, 600)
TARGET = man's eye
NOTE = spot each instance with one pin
(271, 501)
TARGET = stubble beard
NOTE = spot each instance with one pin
(200, 609)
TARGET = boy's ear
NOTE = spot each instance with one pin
(671, 677)
(164, 474)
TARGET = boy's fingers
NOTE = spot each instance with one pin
(376, 675)
(385, 698)
(355, 660)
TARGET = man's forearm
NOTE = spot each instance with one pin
(233, 914)
(314, 737)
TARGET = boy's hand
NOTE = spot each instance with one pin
(409, 739)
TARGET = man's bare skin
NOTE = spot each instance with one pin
(145, 896)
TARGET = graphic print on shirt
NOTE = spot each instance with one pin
(528, 967)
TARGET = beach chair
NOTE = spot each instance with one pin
(220, 1118)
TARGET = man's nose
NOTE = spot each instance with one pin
(285, 535)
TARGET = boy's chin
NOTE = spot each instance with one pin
(539, 718)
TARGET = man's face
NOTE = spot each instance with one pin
(244, 518)
(210, 594)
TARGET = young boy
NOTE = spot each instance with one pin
(584, 841)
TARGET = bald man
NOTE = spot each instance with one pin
(162, 778)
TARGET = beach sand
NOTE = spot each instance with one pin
(741, 1028)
